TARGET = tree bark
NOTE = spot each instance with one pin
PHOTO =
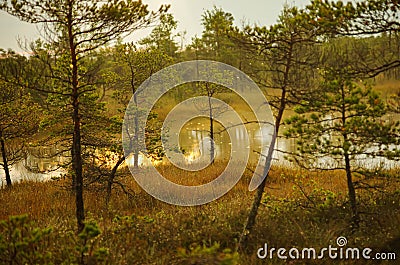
(251, 219)
(111, 178)
(211, 119)
(136, 148)
(76, 152)
(5, 162)
(136, 139)
(355, 217)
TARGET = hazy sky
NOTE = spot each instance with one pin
(187, 12)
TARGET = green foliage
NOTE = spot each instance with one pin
(109, 20)
(162, 36)
(283, 59)
(76, 30)
(86, 248)
(353, 18)
(215, 43)
(348, 120)
(19, 113)
(131, 68)
(202, 254)
(21, 243)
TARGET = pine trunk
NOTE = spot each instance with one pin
(251, 219)
(111, 178)
(355, 217)
(212, 148)
(76, 152)
(5, 162)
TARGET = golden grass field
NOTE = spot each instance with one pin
(299, 209)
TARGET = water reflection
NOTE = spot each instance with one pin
(192, 134)
(43, 164)
(40, 163)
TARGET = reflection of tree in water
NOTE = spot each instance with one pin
(45, 159)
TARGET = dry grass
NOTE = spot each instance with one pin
(387, 88)
(159, 233)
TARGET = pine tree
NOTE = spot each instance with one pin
(76, 29)
(343, 129)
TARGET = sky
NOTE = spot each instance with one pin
(186, 12)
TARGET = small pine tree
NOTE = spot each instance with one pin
(343, 129)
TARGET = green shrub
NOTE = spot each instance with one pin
(202, 254)
(22, 243)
